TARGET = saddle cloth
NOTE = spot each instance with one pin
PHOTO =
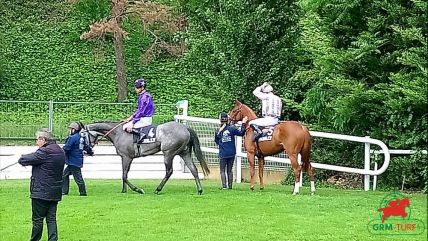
(267, 133)
(148, 132)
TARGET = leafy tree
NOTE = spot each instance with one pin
(367, 67)
(156, 19)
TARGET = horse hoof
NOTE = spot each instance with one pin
(252, 188)
(141, 191)
(156, 192)
(262, 188)
(312, 193)
(200, 192)
(295, 193)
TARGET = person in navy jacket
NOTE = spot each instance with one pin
(45, 187)
(74, 147)
(225, 138)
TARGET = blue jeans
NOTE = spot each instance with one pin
(226, 165)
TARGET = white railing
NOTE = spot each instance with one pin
(367, 172)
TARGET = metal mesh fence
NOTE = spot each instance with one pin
(206, 132)
(20, 119)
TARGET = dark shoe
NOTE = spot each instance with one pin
(64, 193)
(83, 194)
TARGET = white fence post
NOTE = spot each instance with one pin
(367, 164)
(375, 177)
(299, 161)
(184, 106)
(238, 165)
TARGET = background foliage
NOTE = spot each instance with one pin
(354, 67)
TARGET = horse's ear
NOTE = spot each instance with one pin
(237, 102)
(81, 125)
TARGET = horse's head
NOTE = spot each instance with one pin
(235, 114)
(241, 110)
(91, 137)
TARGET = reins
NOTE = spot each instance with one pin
(108, 132)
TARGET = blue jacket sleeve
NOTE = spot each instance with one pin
(217, 137)
(68, 143)
(240, 131)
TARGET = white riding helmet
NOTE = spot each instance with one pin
(74, 125)
(267, 88)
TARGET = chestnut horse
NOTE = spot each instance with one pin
(290, 136)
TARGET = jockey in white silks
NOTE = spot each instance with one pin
(271, 109)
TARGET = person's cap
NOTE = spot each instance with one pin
(75, 126)
(223, 117)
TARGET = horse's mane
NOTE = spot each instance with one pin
(249, 108)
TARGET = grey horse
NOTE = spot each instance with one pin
(172, 139)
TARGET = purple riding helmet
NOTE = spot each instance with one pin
(140, 83)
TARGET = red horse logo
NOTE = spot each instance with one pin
(395, 207)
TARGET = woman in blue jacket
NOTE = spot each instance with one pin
(225, 138)
(73, 148)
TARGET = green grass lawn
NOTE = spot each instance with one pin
(178, 213)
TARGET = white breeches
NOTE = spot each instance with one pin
(144, 121)
(265, 121)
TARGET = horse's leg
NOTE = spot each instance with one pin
(306, 164)
(310, 172)
(251, 161)
(126, 165)
(297, 169)
(189, 163)
(168, 161)
(261, 168)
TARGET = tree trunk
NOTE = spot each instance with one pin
(122, 86)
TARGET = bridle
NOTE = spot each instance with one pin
(235, 112)
(102, 137)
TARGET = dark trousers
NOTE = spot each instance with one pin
(77, 175)
(226, 164)
(44, 209)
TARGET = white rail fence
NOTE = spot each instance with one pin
(366, 171)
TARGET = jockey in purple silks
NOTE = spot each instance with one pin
(145, 108)
(271, 109)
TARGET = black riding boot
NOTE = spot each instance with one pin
(257, 132)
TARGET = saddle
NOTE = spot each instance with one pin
(144, 135)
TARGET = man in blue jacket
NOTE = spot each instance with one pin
(74, 147)
(45, 188)
(225, 138)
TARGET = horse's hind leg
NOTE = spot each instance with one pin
(297, 169)
(189, 163)
(126, 165)
(310, 172)
(261, 170)
(168, 161)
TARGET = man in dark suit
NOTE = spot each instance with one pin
(46, 181)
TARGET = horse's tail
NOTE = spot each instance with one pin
(194, 143)
(306, 150)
